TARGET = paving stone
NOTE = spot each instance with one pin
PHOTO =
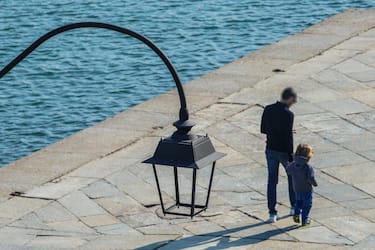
(38, 168)
(80, 205)
(121, 205)
(232, 158)
(253, 67)
(125, 177)
(17, 207)
(349, 174)
(103, 167)
(319, 234)
(364, 119)
(99, 220)
(367, 57)
(163, 229)
(366, 96)
(101, 189)
(336, 158)
(321, 145)
(357, 144)
(306, 108)
(138, 192)
(238, 139)
(226, 183)
(141, 149)
(169, 103)
(129, 120)
(142, 219)
(242, 199)
(353, 227)
(260, 230)
(367, 243)
(56, 242)
(321, 94)
(368, 214)
(356, 70)
(207, 85)
(54, 211)
(368, 154)
(15, 236)
(276, 245)
(337, 81)
(31, 221)
(252, 175)
(57, 190)
(260, 211)
(73, 226)
(219, 111)
(5, 221)
(318, 213)
(202, 227)
(359, 204)
(120, 242)
(368, 33)
(367, 187)
(356, 43)
(321, 202)
(344, 106)
(253, 96)
(340, 192)
(209, 242)
(335, 129)
(98, 141)
(120, 228)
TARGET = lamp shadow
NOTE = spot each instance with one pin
(222, 239)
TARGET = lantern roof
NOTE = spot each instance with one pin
(192, 152)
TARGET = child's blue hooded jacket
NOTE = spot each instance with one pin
(302, 173)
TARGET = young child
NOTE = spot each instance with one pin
(303, 179)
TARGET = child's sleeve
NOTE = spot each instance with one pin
(311, 177)
(289, 168)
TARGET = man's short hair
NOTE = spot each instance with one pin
(288, 93)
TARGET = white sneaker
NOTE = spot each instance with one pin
(291, 213)
(273, 218)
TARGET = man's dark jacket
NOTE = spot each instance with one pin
(277, 124)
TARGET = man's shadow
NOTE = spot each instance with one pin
(221, 239)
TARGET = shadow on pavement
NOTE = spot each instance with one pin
(222, 239)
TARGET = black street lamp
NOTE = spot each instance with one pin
(181, 149)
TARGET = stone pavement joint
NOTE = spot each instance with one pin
(91, 191)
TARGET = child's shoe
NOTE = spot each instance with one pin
(296, 218)
(307, 223)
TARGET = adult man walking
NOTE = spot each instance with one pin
(277, 124)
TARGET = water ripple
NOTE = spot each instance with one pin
(82, 77)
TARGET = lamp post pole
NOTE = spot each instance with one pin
(183, 125)
(180, 150)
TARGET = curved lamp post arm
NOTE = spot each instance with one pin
(183, 122)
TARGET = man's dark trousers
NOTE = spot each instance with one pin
(274, 158)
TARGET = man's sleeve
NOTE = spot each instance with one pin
(289, 133)
(263, 128)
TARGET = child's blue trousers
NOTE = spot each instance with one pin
(303, 205)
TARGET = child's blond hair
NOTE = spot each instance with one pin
(305, 151)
